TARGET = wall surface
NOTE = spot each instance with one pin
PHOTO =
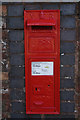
(13, 59)
(39, 0)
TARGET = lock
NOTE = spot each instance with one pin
(42, 61)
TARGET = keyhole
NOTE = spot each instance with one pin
(36, 89)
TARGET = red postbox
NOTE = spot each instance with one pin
(42, 61)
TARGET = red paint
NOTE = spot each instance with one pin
(42, 44)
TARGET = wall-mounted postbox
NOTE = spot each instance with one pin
(42, 61)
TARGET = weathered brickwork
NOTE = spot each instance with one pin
(5, 64)
(78, 51)
(14, 68)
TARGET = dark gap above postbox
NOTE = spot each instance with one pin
(41, 27)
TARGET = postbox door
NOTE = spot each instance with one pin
(42, 61)
(41, 85)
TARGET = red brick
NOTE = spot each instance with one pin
(79, 22)
(4, 75)
(0, 10)
(3, 22)
(6, 105)
(4, 34)
(5, 115)
(76, 99)
(79, 101)
(5, 84)
(5, 96)
(79, 110)
(4, 10)
(0, 33)
(79, 65)
(79, 68)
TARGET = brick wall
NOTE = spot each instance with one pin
(78, 53)
(5, 63)
(13, 53)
